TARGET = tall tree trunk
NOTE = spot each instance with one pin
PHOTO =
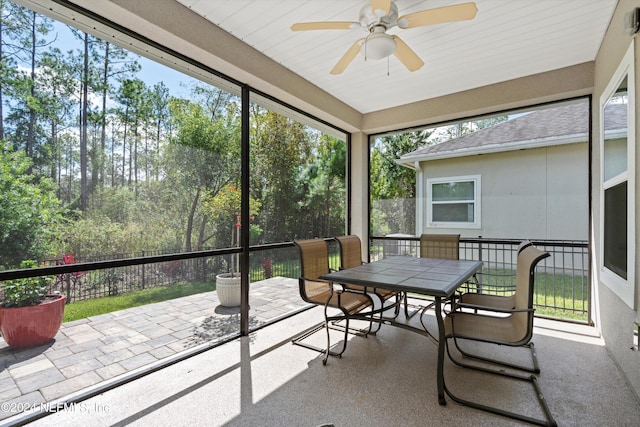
(69, 173)
(132, 151)
(201, 235)
(54, 172)
(157, 163)
(1, 83)
(103, 124)
(95, 160)
(135, 159)
(113, 157)
(32, 90)
(124, 144)
(146, 157)
(190, 220)
(83, 127)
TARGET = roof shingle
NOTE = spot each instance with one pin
(568, 123)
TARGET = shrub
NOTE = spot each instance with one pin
(27, 291)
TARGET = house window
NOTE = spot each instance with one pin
(454, 202)
(617, 189)
(615, 229)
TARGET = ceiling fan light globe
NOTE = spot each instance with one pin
(378, 46)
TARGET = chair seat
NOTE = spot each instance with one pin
(485, 328)
(352, 302)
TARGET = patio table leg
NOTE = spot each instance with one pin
(441, 344)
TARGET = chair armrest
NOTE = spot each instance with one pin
(477, 278)
(493, 309)
(316, 280)
(480, 282)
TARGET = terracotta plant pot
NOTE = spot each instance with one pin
(34, 325)
(228, 289)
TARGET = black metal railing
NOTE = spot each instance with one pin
(563, 283)
(132, 276)
(562, 288)
(135, 273)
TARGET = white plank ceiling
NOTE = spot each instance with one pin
(507, 39)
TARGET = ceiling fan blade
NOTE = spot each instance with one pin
(346, 59)
(381, 7)
(407, 56)
(458, 12)
(336, 25)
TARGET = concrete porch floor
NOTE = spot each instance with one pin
(385, 379)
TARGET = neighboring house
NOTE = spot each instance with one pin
(527, 177)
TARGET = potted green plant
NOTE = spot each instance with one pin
(29, 316)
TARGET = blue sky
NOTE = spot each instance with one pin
(151, 72)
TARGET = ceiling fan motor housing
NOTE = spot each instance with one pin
(378, 44)
(370, 18)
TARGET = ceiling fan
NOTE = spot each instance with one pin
(376, 17)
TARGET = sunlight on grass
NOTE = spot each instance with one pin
(93, 307)
(561, 296)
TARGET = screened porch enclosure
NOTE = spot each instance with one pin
(161, 150)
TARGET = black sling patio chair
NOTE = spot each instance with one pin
(509, 327)
(314, 262)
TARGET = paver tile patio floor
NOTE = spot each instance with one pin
(89, 351)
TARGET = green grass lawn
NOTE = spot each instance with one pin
(561, 296)
(93, 307)
(555, 295)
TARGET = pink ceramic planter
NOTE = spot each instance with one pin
(31, 326)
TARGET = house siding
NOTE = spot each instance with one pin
(537, 193)
(612, 315)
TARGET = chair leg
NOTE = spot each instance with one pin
(406, 307)
(330, 322)
(320, 326)
(406, 304)
(364, 332)
(530, 345)
(328, 352)
(381, 316)
(326, 327)
(396, 308)
(297, 340)
(369, 330)
(549, 421)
